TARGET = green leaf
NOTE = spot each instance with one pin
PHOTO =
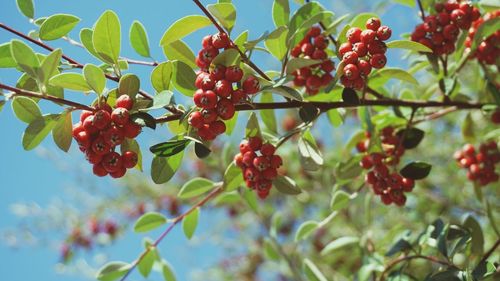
(396, 73)
(409, 3)
(170, 147)
(270, 251)
(227, 58)
(95, 78)
(340, 200)
(183, 27)
(360, 19)
(26, 109)
(416, 170)
(62, 131)
(190, 222)
(26, 7)
(310, 156)
(232, 177)
(349, 169)
(286, 185)
(408, 45)
(241, 39)
(113, 270)
(401, 245)
(201, 150)
(268, 116)
(322, 16)
(71, 81)
(183, 77)
(25, 58)
(57, 26)
(312, 272)
(252, 129)
(178, 50)
(6, 59)
(303, 14)
(149, 221)
(86, 35)
(139, 39)
(49, 66)
(477, 241)
(338, 244)
(195, 187)
(160, 100)
(166, 269)
(412, 137)
(276, 42)
(146, 264)
(296, 63)
(38, 130)
(335, 117)
(161, 75)
(107, 37)
(163, 169)
(129, 85)
(225, 14)
(143, 119)
(281, 12)
(284, 91)
(483, 270)
(306, 229)
(486, 29)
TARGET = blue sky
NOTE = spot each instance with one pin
(41, 175)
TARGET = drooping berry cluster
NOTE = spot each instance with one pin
(480, 165)
(391, 186)
(489, 50)
(363, 50)
(259, 164)
(440, 31)
(99, 133)
(316, 76)
(216, 95)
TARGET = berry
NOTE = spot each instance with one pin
(220, 40)
(113, 136)
(354, 35)
(125, 101)
(100, 147)
(267, 149)
(384, 33)
(131, 130)
(129, 159)
(120, 172)
(350, 58)
(367, 36)
(378, 61)
(251, 85)
(351, 71)
(85, 114)
(218, 73)
(206, 41)
(225, 109)
(373, 24)
(234, 73)
(120, 116)
(209, 115)
(218, 127)
(112, 162)
(195, 119)
(99, 170)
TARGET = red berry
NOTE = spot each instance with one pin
(364, 67)
(199, 79)
(328, 66)
(234, 73)
(113, 136)
(131, 130)
(102, 119)
(245, 147)
(99, 170)
(314, 31)
(353, 35)
(276, 161)
(267, 149)
(205, 133)
(270, 173)
(255, 143)
(93, 157)
(218, 73)
(196, 119)
(237, 96)
(373, 24)
(83, 139)
(85, 114)
(367, 36)
(351, 71)
(377, 47)
(384, 33)
(313, 82)
(129, 159)
(225, 109)
(366, 162)
(100, 147)
(360, 48)
(350, 57)
(207, 55)
(207, 83)
(495, 117)
(208, 99)
(319, 54)
(206, 41)
(220, 40)
(295, 52)
(120, 116)
(251, 85)
(261, 163)
(125, 101)
(112, 162)
(209, 115)
(218, 127)
(77, 128)
(344, 48)
(378, 61)
(320, 42)
(120, 172)
(252, 174)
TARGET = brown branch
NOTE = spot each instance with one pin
(244, 57)
(407, 258)
(422, 13)
(490, 252)
(219, 188)
(25, 93)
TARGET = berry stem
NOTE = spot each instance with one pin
(324, 28)
(421, 7)
(216, 191)
(244, 57)
(25, 93)
(408, 258)
(490, 252)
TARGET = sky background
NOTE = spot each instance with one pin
(45, 175)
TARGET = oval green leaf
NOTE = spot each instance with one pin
(149, 221)
(139, 39)
(106, 37)
(57, 26)
(195, 187)
(183, 27)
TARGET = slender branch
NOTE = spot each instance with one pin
(436, 115)
(421, 7)
(25, 93)
(219, 188)
(244, 57)
(408, 258)
(490, 252)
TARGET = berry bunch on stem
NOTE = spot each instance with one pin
(489, 50)
(364, 50)
(216, 95)
(440, 31)
(259, 164)
(316, 76)
(99, 133)
(480, 164)
(390, 186)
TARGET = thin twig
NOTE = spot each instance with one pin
(421, 7)
(408, 258)
(490, 252)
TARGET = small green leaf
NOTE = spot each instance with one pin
(26, 7)
(146, 264)
(401, 245)
(57, 26)
(286, 185)
(270, 251)
(107, 37)
(477, 241)
(232, 177)
(349, 169)
(25, 58)
(163, 169)
(144, 119)
(340, 200)
(225, 14)
(62, 131)
(95, 78)
(178, 50)
(312, 272)
(26, 109)
(190, 222)
(416, 170)
(149, 221)
(338, 244)
(49, 66)
(303, 14)
(170, 147)
(38, 130)
(227, 58)
(161, 75)
(183, 27)
(396, 73)
(112, 271)
(195, 187)
(306, 229)
(276, 42)
(161, 100)
(139, 39)
(296, 63)
(408, 45)
(168, 273)
(281, 12)
(335, 117)
(129, 85)
(6, 59)
(252, 129)
(71, 81)
(310, 156)
(201, 150)
(183, 78)
(483, 270)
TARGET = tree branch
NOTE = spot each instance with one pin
(408, 258)
(490, 252)
(422, 13)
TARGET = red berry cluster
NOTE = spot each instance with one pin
(390, 186)
(495, 117)
(440, 31)
(316, 76)
(480, 165)
(363, 50)
(99, 133)
(259, 164)
(489, 50)
(216, 96)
